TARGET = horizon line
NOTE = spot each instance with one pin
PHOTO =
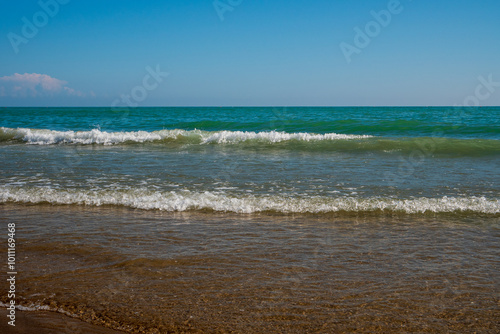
(261, 106)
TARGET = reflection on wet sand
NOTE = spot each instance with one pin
(149, 272)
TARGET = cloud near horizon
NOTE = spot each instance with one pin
(35, 85)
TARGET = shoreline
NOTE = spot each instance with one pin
(157, 272)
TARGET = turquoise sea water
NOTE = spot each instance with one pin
(256, 220)
(245, 160)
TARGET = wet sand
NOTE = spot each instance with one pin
(154, 272)
(49, 323)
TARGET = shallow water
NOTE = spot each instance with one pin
(247, 160)
(256, 220)
(147, 270)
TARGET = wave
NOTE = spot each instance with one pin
(422, 146)
(220, 202)
(35, 307)
(95, 136)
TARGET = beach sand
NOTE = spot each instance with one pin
(48, 323)
(153, 272)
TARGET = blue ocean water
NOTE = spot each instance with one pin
(256, 220)
(412, 160)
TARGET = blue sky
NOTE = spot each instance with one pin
(249, 52)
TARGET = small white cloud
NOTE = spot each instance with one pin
(34, 85)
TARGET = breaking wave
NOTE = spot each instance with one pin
(221, 202)
(51, 137)
(301, 141)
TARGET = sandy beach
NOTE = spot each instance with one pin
(49, 323)
(154, 272)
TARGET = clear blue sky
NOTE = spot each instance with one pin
(263, 52)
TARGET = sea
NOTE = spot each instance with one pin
(255, 219)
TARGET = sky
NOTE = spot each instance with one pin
(249, 53)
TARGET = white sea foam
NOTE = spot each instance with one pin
(33, 307)
(50, 137)
(222, 137)
(188, 201)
